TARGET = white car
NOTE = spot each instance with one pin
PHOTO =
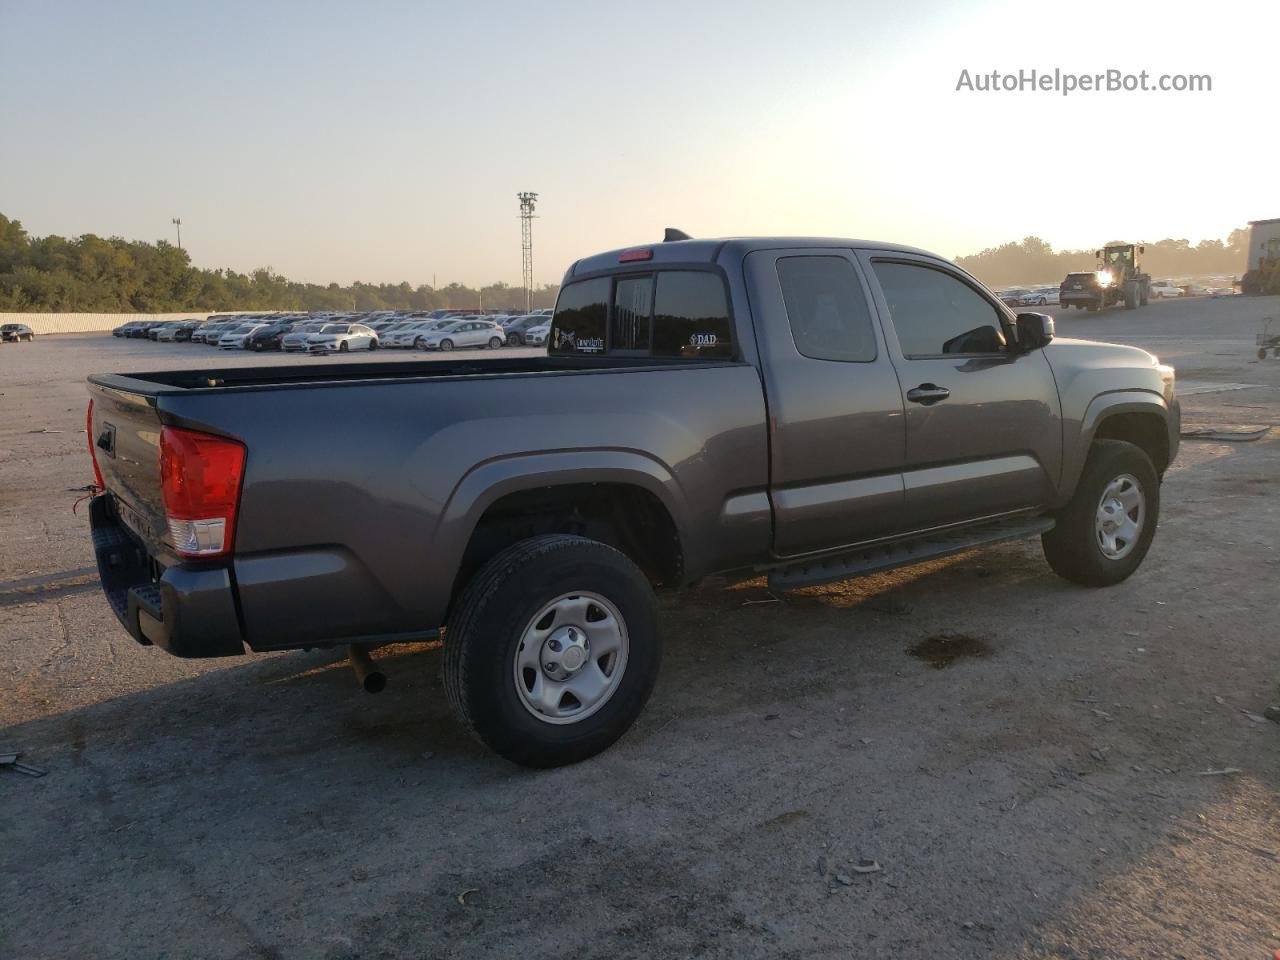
(465, 333)
(1163, 288)
(296, 339)
(341, 337)
(1039, 297)
(237, 338)
(537, 336)
(407, 336)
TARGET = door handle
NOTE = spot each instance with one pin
(927, 394)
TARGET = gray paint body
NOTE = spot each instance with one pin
(363, 484)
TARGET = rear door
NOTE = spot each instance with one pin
(835, 408)
(983, 424)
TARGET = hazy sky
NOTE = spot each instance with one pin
(386, 141)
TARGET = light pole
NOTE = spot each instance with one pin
(177, 222)
(528, 200)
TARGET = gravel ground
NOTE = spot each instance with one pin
(1047, 793)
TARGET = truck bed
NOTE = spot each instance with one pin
(333, 374)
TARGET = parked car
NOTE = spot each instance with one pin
(296, 339)
(341, 337)
(1163, 288)
(269, 337)
(1039, 297)
(516, 327)
(768, 422)
(536, 336)
(465, 333)
(408, 335)
(1195, 290)
(174, 332)
(210, 332)
(16, 333)
(1013, 296)
(238, 337)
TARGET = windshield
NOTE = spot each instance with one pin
(333, 328)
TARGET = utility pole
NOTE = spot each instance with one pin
(527, 201)
(177, 222)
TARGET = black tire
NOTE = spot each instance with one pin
(495, 343)
(515, 340)
(485, 630)
(1262, 353)
(342, 347)
(373, 344)
(446, 345)
(1072, 547)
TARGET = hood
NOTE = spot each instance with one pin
(1096, 353)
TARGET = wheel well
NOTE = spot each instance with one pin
(626, 517)
(1144, 430)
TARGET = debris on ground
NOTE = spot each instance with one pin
(796, 734)
(1247, 435)
(866, 866)
(1255, 717)
(1272, 712)
(1225, 771)
(462, 897)
(10, 761)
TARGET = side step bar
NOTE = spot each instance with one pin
(900, 553)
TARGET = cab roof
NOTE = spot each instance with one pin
(713, 250)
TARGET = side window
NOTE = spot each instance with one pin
(580, 317)
(937, 314)
(828, 311)
(691, 316)
(632, 306)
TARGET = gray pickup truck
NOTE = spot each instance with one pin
(802, 409)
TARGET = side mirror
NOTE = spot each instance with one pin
(1035, 330)
(1097, 254)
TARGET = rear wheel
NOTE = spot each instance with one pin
(553, 650)
(495, 343)
(515, 340)
(342, 347)
(1262, 353)
(1103, 534)
(446, 345)
(373, 344)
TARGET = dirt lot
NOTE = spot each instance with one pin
(1045, 794)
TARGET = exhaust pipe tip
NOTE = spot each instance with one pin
(371, 679)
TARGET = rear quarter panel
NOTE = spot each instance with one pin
(359, 499)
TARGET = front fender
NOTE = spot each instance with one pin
(1099, 408)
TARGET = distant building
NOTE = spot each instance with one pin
(1264, 240)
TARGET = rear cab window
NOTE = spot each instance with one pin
(682, 314)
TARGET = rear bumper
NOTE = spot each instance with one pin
(188, 611)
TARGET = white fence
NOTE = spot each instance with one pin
(89, 322)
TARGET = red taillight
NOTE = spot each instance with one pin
(633, 255)
(93, 452)
(200, 478)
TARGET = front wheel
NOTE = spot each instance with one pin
(1103, 534)
(342, 347)
(553, 650)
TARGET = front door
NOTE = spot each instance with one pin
(983, 423)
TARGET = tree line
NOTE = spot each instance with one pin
(1035, 261)
(92, 274)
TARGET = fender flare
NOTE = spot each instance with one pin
(490, 480)
(1100, 408)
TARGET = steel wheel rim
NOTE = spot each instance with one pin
(1121, 513)
(571, 658)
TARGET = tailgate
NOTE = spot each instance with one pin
(125, 432)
